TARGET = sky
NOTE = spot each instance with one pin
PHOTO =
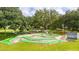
(29, 11)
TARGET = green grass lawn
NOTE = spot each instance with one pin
(6, 35)
(23, 46)
(66, 46)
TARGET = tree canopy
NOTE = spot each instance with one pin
(43, 19)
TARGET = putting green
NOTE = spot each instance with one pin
(35, 38)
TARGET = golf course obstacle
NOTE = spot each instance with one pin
(42, 38)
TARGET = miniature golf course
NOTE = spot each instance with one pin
(37, 38)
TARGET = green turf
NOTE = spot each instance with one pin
(6, 35)
(21, 46)
(65, 46)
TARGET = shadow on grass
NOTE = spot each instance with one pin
(5, 35)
